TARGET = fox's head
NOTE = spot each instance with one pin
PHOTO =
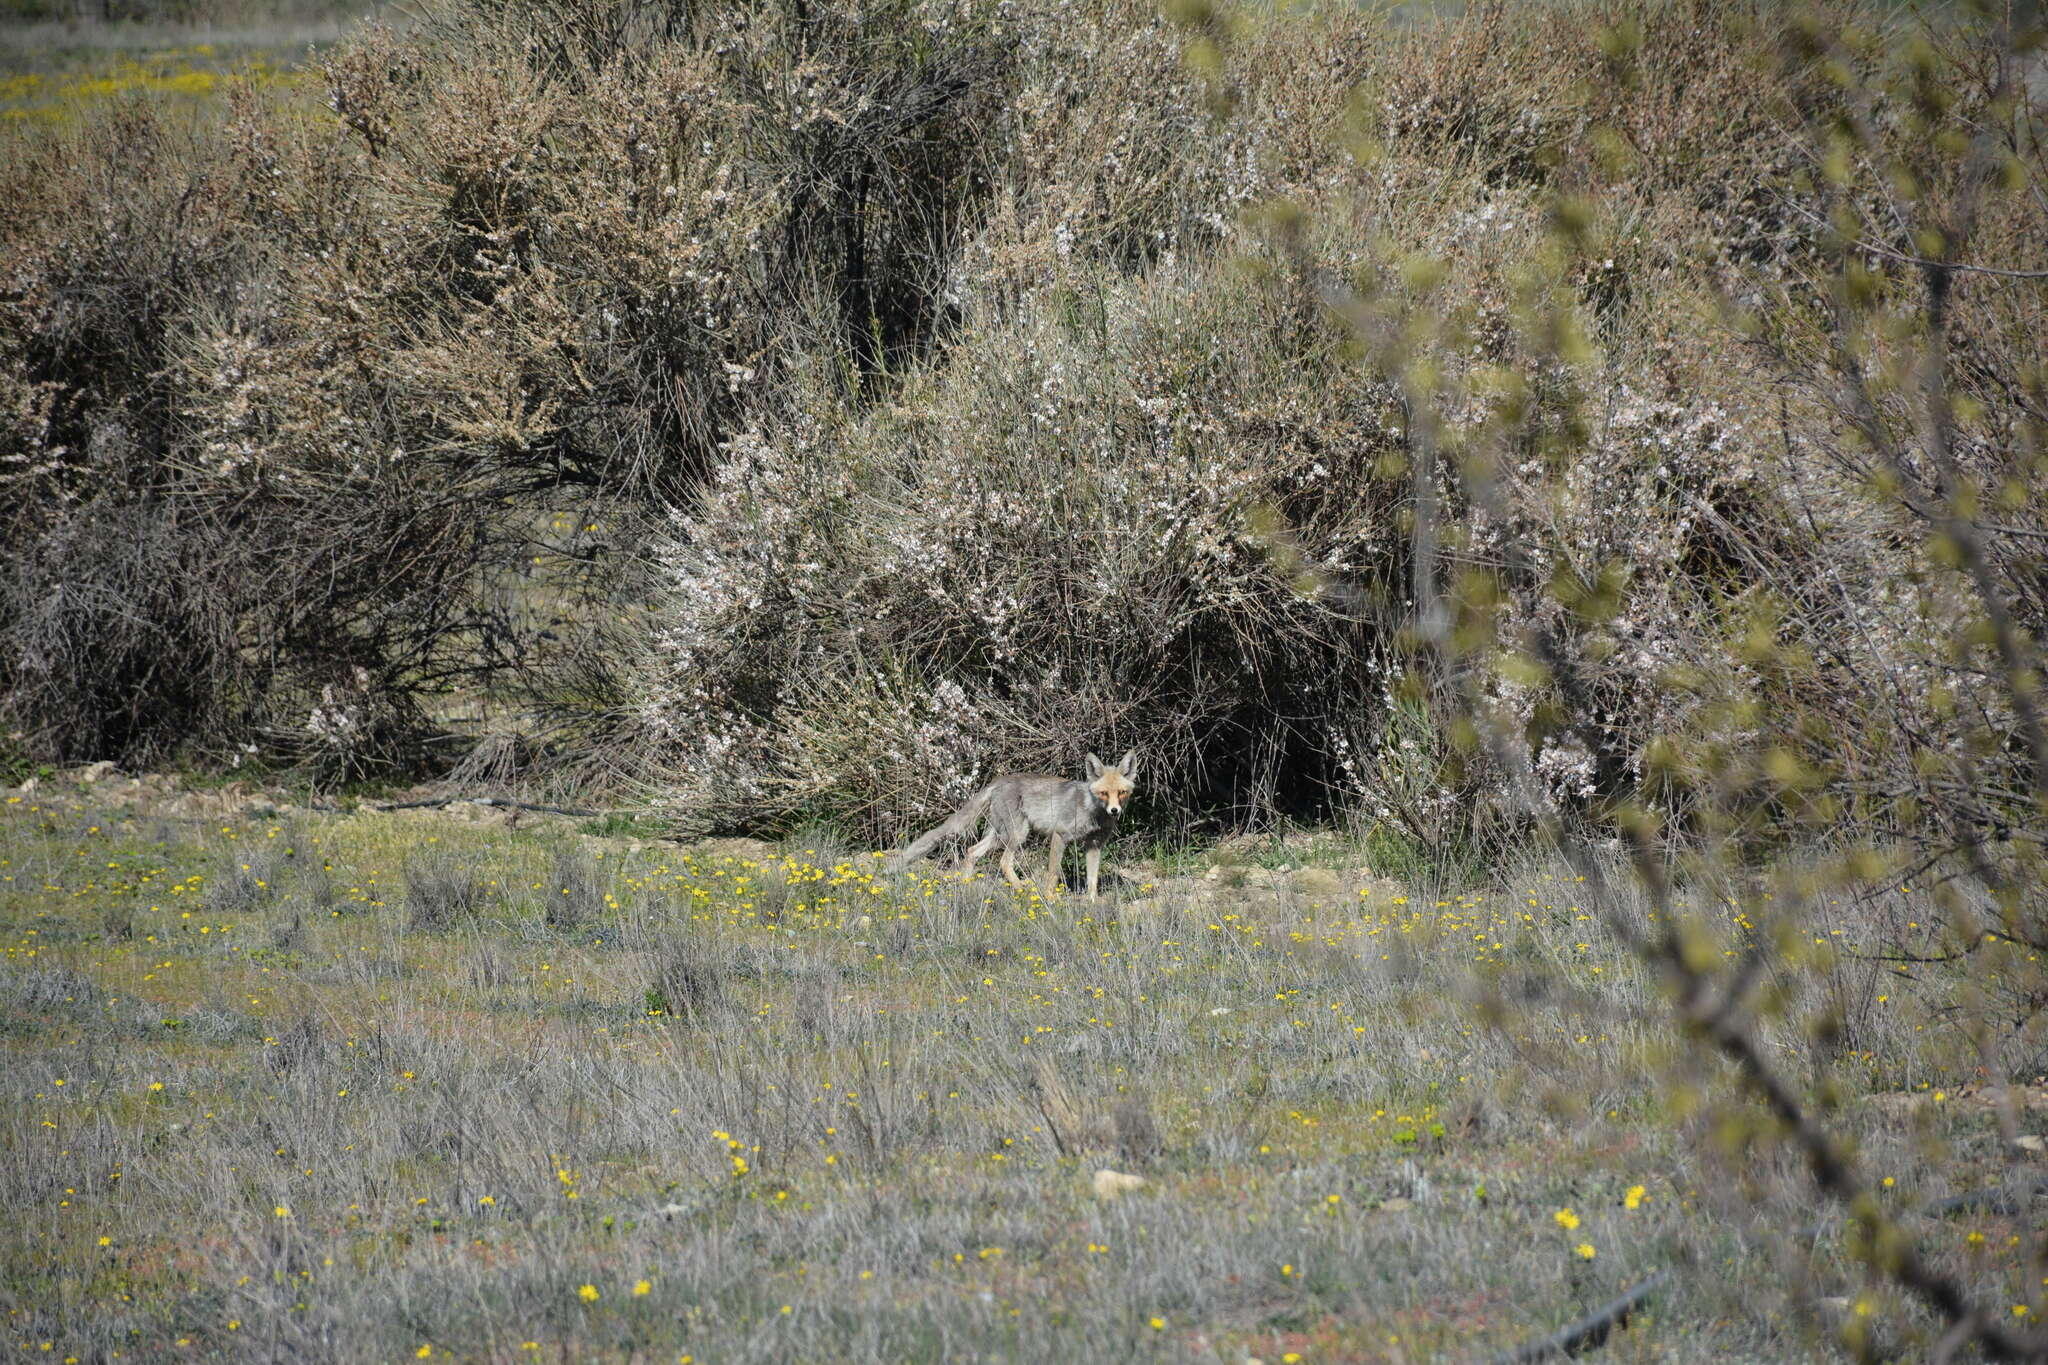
(1113, 784)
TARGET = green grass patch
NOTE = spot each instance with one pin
(361, 1073)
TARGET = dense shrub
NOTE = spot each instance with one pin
(1169, 499)
(310, 417)
(870, 612)
(991, 383)
(368, 401)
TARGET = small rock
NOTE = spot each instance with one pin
(1319, 883)
(739, 850)
(1220, 1010)
(2031, 1142)
(1112, 1184)
(1834, 1303)
(94, 772)
(1396, 1205)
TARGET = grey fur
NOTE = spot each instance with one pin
(1023, 804)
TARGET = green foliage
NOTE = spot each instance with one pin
(622, 825)
(16, 767)
(1736, 760)
(1398, 855)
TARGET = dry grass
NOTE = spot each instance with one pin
(53, 72)
(277, 1119)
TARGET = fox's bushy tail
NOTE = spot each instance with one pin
(958, 826)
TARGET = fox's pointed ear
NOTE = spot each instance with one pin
(1128, 764)
(1094, 767)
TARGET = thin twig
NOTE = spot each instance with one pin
(1906, 258)
(499, 801)
(1589, 1331)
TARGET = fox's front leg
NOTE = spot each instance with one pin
(1094, 870)
(1052, 863)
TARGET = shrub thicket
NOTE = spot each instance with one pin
(1172, 500)
(989, 383)
(313, 416)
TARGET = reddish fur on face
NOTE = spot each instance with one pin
(1112, 789)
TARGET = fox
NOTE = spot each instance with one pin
(1083, 813)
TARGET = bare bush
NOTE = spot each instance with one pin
(574, 893)
(443, 891)
(686, 981)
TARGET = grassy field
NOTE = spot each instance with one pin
(50, 71)
(376, 1086)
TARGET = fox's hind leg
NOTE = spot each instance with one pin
(974, 855)
(1008, 827)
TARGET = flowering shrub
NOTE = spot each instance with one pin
(983, 382)
(1053, 539)
(529, 268)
